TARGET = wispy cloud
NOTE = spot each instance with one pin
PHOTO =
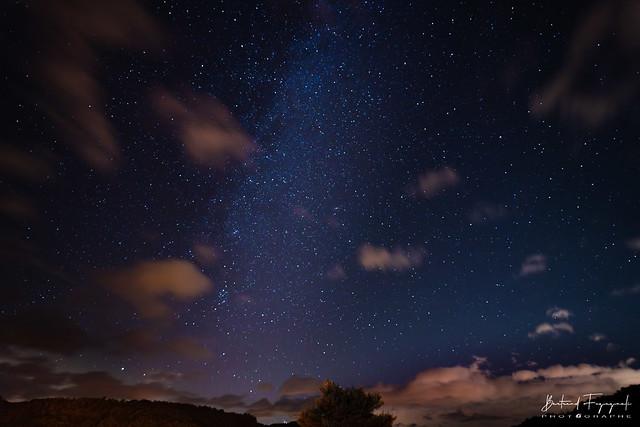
(552, 329)
(17, 374)
(18, 163)
(634, 244)
(44, 331)
(205, 254)
(70, 87)
(209, 133)
(444, 396)
(435, 181)
(597, 337)
(533, 264)
(154, 341)
(633, 290)
(145, 284)
(336, 272)
(380, 258)
(569, 93)
(558, 313)
(494, 400)
(300, 386)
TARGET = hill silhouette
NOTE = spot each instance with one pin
(87, 412)
(588, 417)
(91, 412)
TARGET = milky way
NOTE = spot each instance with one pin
(240, 200)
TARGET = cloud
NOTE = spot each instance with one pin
(226, 401)
(43, 330)
(164, 377)
(611, 347)
(597, 337)
(634, 244)
(433, 182)
(284, 407)
(153, 341)
(28, 378)
(300, 386)
(68, 78)
(633, 290)
(17, 207)
(558, 313)
(24, 378)
(297, 396)
(52, 332)
(205, 254)
(607, 39)
(264, 387)
(22, 164)
(442, 396)
(189, 347)
(380, 258)
(336, 272)
(462, 417)
(553, 329)
(146, 285)
(445, 396)
(533, 264)
(210, 135)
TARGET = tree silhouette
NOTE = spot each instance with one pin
(350, 407)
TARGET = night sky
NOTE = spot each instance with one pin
(225, 203)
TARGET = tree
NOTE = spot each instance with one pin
(350, 407)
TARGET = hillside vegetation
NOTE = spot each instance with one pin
(117, 413)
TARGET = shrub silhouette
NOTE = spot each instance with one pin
(350, 407)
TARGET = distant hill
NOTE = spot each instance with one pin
(118, 413)
(570, 419)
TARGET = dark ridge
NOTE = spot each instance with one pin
(588, 418)
(58, 412)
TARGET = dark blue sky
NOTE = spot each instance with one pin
(360, 191)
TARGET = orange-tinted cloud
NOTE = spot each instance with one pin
(205, 254)
(607, 39)
(68, 77)
(433, 182)
(21, 164)
(484, 399)
(28, 377)
(284, 407)
(36, 377)
(17, 207)
(147, 341)
(264, 387)
(380, 258)
(52, 332)
(210, 135)
(552, 329)
(300, 386)
(190, 347)
(147, 284)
